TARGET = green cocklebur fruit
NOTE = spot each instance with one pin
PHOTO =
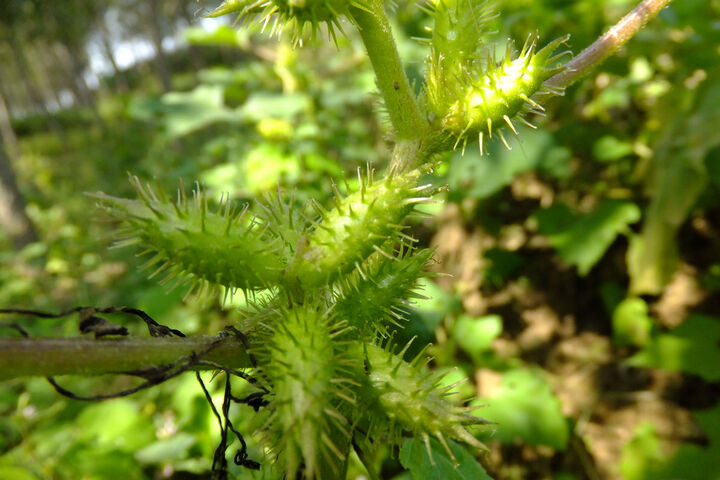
(374, 296)
(469, 94)
(401, 396)
(185, 239)
(300, 17)
(360, 224)
(308, 371)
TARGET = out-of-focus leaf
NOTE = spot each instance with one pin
(275, 105)
(414, 456)
(643, 459)
(503, 265)
(609, 148)
(186, 112)
(526, 408)
(173, 448)
(117, 424)
(640, 452)
(581, 240)
(474, 335)
(266, 165)
(11, 472)
(631, 322)
(692, 348)
(437, 304)
(477, 176)
(222, 36)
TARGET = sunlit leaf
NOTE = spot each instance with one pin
(525, 408)
(414, 456)
(581, 240)
(692, 348)
(631, 322)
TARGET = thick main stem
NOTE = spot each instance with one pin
(394, 86)
(606, 45)
(20, 357)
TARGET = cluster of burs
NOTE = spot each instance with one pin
(336, 281)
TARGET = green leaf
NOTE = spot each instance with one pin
(692, 348)
(581, 240)
(480, 176)
(414, 456)
(173, 448)
(10, 472)
(526, 408)
(275, 105)
(187, 112)
(475, 335)
(222, 36)
(631, 322)
(609, 149)
(640, 452)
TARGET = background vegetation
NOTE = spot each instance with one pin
(583, 302)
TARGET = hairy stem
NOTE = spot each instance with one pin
(83, 356)
(394, 86)
(606, 45)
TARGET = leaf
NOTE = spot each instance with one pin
(414, 456)
(640, 452)
(631, 322)
(187, 112)
(480, 176)
(173, 448)
(475, 335)
(222, 36)
(260, 106)
(643, 459)
(581, 240)
(609, 149)
(692, 348)
(526, 408)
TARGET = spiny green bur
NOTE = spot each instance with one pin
(297, 16)
(374, 298)
(360, 224)
(471, 95)
(305, 368)
(186, 239)
(412, 400)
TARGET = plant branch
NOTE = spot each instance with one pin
(394, 86)
(606, 45)
(21, 357)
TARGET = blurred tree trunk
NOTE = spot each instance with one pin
(7, 134)
(13, 218)
(196, 58)
(32, 90)
(156, 36)
(121, 83)
(76, 74)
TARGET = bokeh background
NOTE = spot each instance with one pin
(582, 304)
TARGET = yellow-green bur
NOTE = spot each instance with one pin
(359, 225)
(305, 366)
(186, 239)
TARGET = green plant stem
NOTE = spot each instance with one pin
(607, 44)
(20, 357)
(394, 86)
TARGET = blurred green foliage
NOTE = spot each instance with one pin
(630, 156)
